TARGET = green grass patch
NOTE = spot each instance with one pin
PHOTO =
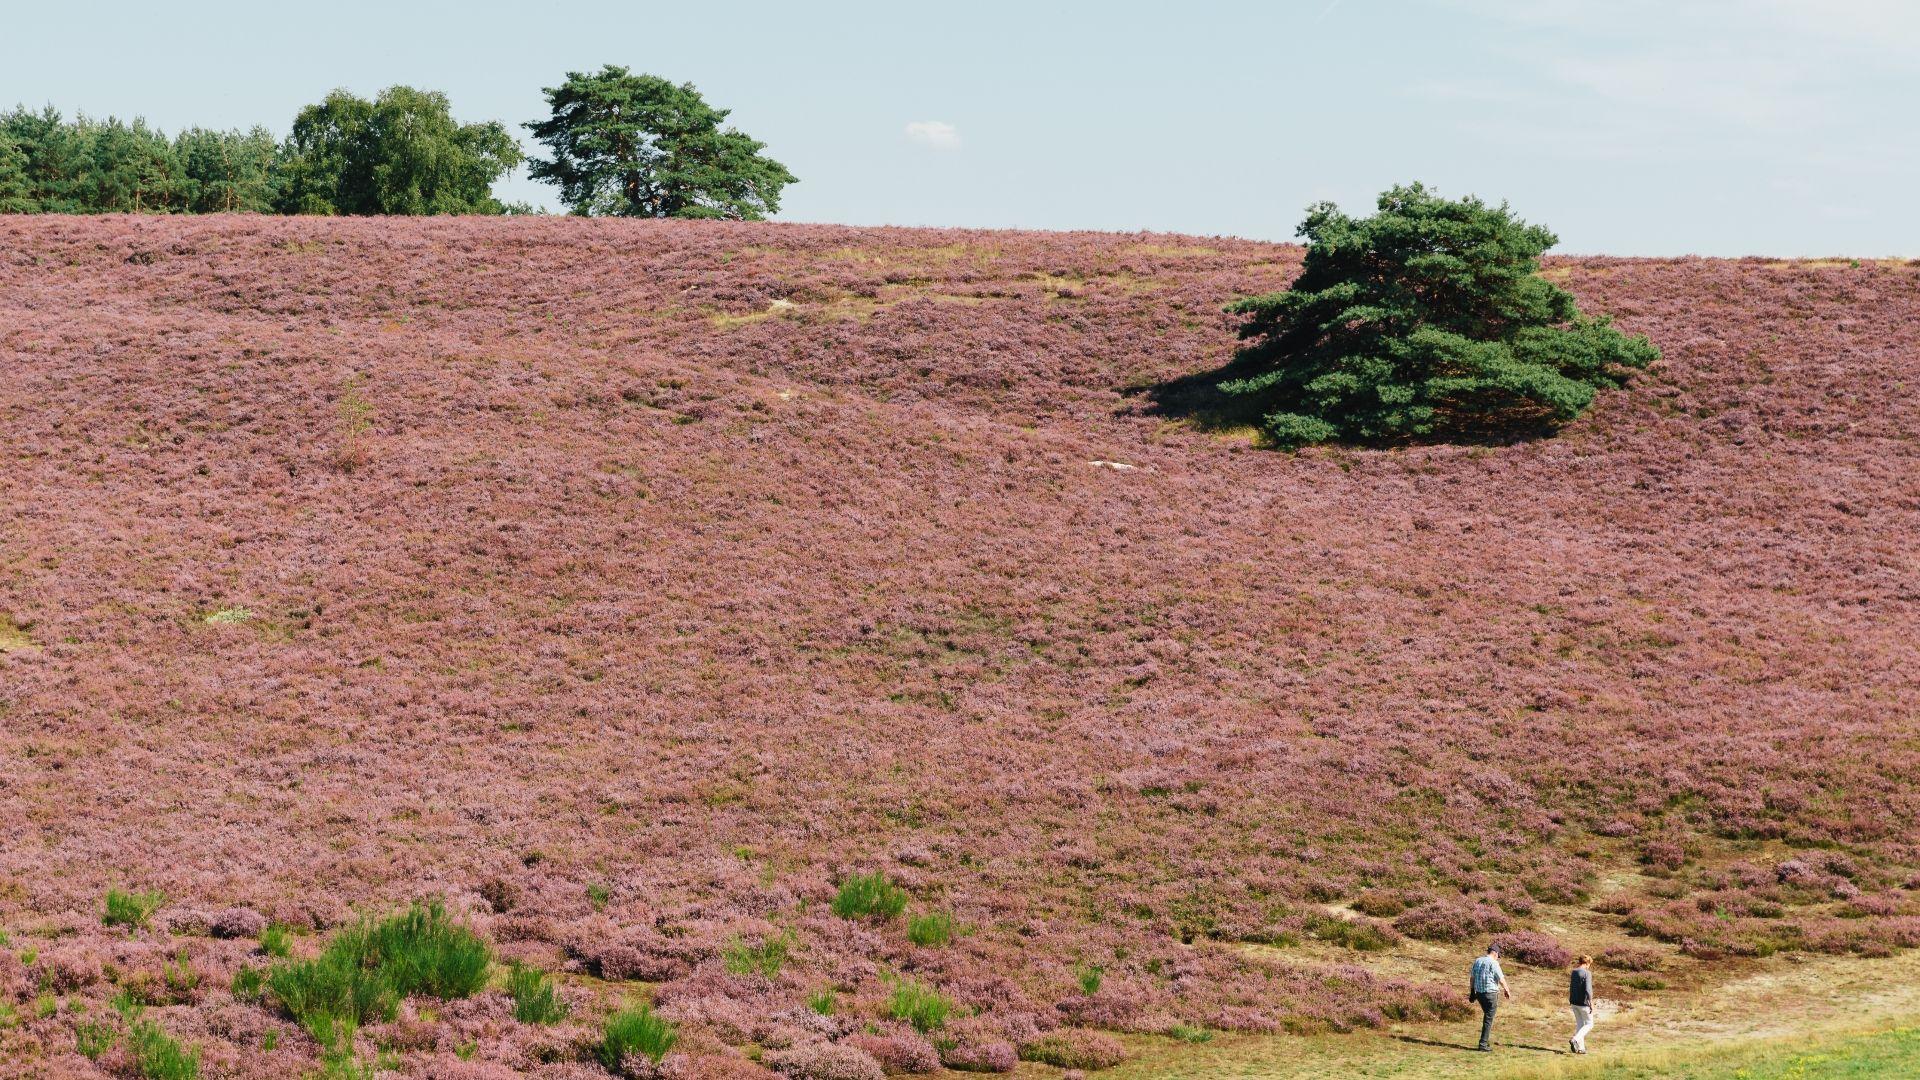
(634, 1031)
(155, 1054)
(133, 909)
(765, 958)
(933, 929)
(1847, 1057)
(368, 967)
(1089, 976)
(535, 1001)
(918, 1004)
(864, 895)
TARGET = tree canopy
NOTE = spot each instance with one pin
(401, 153)
(1427, 320)
(639, 146)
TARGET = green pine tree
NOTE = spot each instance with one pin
(639, 146)
(228, 172)
(1427, 320)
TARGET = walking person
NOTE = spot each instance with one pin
(1488, 984)
(1580, 998)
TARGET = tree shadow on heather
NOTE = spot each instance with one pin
(1197, 401)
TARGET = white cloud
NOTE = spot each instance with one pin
(935, 133)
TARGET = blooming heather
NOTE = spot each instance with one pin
(708, 564)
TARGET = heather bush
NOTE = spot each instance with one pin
(132, 909)
(1631, 958)
(1075, 1048)
(1382, 903)
(825, 1061)
(535, 1000)
(1363, 935)
(863, 895)
(1428, 319)
(237, 922)
(918, 1004)
(1451, 920)
(932, 930)
(898, 1054)
(634, 1032)
(1535, 949)
(978, 1055)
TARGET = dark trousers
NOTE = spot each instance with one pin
(1489, 1003)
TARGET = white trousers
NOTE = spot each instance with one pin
(1582, 1023)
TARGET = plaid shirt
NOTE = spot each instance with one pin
(1487, 975)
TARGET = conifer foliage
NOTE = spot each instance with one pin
(1426, 321)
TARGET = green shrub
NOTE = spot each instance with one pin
(823, 1001)
(765, 958)
(248, 984)
(423, 951)
(368, 967)
(920, 1005)
(1089, 977)
(635, 1031)
(333, 993)
(276, 940)
(131, 908)
(1189, 1033)
(933, 929)
(1427, 320)
(534, 999)
(156, 1056)
(869, 894)
(92, 1038)
(598, 895)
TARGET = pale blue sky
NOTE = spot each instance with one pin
(1725, 127)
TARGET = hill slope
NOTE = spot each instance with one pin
(631, 583)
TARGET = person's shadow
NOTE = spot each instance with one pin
(1417, 1040)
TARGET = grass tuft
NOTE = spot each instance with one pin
(535, 1001)
(932, 930)
(918, 1004)
(367, 968)
(869, 894)
(635, 1031)
(132, 909)
(765, 958)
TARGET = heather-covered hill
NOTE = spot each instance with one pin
(630, 584)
